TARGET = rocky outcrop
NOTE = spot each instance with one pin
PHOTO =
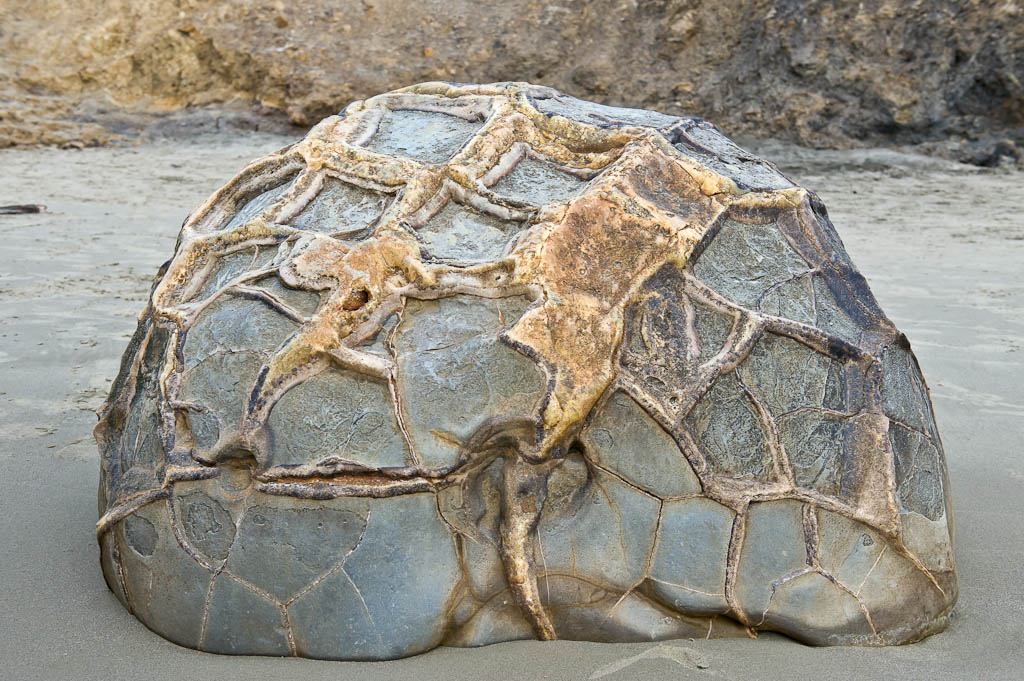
(944, 74)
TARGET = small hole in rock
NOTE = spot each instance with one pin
(356, 299)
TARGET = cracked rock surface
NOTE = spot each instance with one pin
(476, 363)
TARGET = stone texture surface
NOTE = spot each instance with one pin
(944, 76)
(644, 395)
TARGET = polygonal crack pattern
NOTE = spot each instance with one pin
(353, 613)
(625, 439)
(282, 549)
(787, 375)
(818, 446)
(667, 337)
(223, 354)
(161, 574)
(918, 472)
(584, 610)
(791, 299)
(219, 387)
(257, 204)
(473, 510)
(745, 262)
(241, 622)
(136, 457)
(689, 568)
(231, 325)
(343, 210)
(426, 136)
(595, 527)
(460, 234)
(706, 145)
(601, 115)
(455, 374)
(208, 526)
(305, 303)
(831, 316)
(773, 552)
(537, 182)
(336, 416)
(920, 476)
(729, 432)
(473, 364)
(902, 391)
(230, 266)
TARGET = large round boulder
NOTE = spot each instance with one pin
(474, 363)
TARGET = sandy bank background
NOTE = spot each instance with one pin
(942, 245)
(941, 76)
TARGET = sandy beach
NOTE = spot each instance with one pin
(942, 245)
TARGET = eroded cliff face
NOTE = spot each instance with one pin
(943, 75)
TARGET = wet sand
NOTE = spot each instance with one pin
(942, 246)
